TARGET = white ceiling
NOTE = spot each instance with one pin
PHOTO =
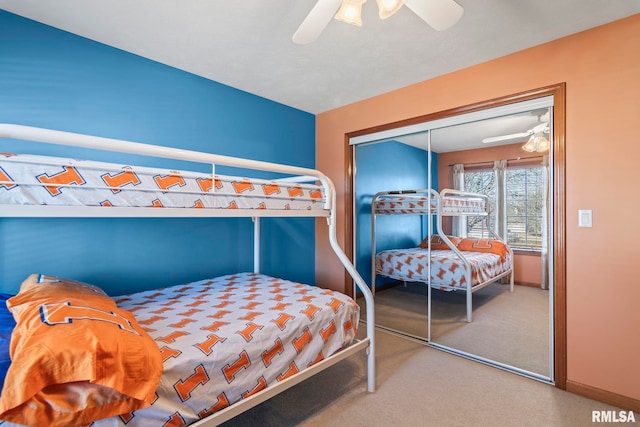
(468, 136)
(247, 44)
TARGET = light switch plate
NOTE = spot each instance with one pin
(585, 218)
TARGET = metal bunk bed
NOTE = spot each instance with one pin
(324, 206)
(431, 203)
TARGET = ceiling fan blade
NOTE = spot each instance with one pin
(505, 137)
(439, 14)
(316, 21)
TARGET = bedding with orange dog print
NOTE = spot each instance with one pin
(40, 180)
(224, 339)
(419, 205)
(447, 270)
(75, 356)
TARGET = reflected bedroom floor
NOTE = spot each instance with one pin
(510, 328)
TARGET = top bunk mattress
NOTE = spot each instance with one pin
(419, 205)
(41, 180)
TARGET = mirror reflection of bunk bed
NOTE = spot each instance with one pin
(444, 262)
(209, 350)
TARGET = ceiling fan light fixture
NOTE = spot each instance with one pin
(351, 12)
(386, 8)
(538, 143)
(543, 144)
(439, 14)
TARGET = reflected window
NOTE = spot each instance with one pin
(482, 182)
(523, 208)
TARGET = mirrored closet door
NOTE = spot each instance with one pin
(502, 154)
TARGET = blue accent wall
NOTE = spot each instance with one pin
(53, 79)
(388, 166)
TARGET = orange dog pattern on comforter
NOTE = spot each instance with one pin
(447, 270)
(419, 205)
(40, 180)
(224, 339)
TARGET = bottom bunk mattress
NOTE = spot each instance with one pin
(447, 270)
(224, 339)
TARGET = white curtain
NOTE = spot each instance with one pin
(458, 223)
(500, 211)
(544, 251)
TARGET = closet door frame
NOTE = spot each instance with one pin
(557, 91)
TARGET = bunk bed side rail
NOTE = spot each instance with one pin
(492, 232)
(449, 191)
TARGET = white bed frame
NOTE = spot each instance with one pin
(439, 214)
(26, 133)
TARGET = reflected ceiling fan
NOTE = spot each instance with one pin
(439, 14)
(538, 141)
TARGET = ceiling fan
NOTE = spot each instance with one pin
(537, 142)
(537, 129)
(439, 14)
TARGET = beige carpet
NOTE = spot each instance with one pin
(421, 386)
(510, 328)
